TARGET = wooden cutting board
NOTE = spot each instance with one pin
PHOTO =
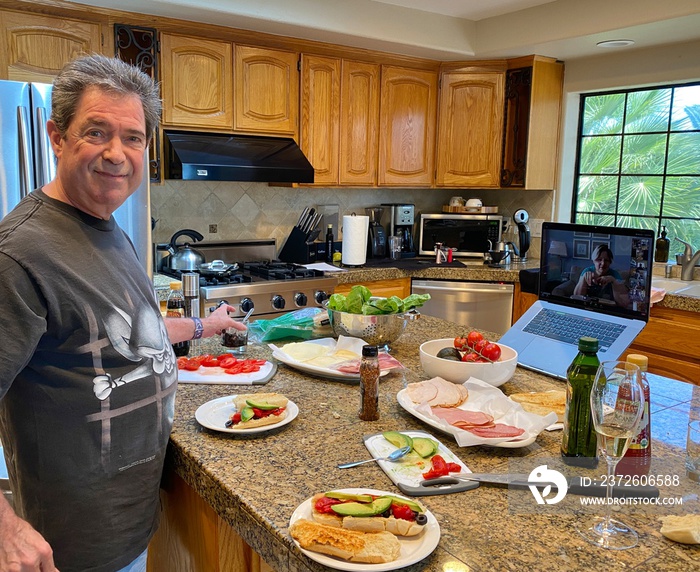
(218, 375)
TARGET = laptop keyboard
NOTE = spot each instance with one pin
(568, 328)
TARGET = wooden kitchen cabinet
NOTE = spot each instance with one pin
(671, 341)
(532, 122)
(197, 82)
(359, 123)
(521, 302)
(407, 116)
(35, 48)
(339, 119)
(470, 126)
(400, 287)
(320, 116)
(266, 91)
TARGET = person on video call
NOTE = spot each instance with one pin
(601, 281)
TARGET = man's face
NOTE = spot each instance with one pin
(101, 156)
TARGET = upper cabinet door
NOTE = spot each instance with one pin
(470, 129)
(359, 123)
(266, 91)
(196, 82)
(35, 48)
(407, 126)
(320, 107)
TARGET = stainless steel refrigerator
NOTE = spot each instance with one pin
(27, 161)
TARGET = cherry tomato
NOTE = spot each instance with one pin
(402, 511)
(491, 352)
(473, 338)
(324, 504)
(460, 343)
(470, 357)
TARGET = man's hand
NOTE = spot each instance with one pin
(22, 549)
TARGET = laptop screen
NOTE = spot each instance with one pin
(597, 268)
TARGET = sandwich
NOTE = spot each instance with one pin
(369, 513)
(257, 410)
(351, 545)
(542, 402)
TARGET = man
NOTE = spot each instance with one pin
(87, 372)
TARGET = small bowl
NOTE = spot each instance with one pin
(496, 373)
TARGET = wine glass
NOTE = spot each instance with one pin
(617, 403)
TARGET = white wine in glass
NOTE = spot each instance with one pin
(617, 403)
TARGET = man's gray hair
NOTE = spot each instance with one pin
(111, 75)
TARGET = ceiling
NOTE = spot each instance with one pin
(447, 29)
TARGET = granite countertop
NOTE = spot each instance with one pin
(256, 482)
(459, 270)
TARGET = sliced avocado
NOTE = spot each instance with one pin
(247, 414)
(424, 447)
(414, 506)
(398, 439)
(264, 405)
(378, 506)
(349, 496)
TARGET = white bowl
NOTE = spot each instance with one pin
(496, 373)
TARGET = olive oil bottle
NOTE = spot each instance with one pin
(579, 440)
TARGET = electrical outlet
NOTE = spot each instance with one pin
(536, 226)
(213, 229)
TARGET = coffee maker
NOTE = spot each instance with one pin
(401, 220)
(376, 242)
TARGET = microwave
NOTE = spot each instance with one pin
(466, 234)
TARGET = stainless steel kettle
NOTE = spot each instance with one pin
(184, 257)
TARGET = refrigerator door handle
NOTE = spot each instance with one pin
(25, 152)
(44, 167)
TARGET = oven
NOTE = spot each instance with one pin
(467, 234)
(258, 281)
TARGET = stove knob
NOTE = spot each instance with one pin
(300, 299)
(246, 305)
(321, 296)
(218, 305)
(278, 302)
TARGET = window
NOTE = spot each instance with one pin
(638, 161)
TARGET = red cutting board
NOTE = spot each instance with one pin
(217, 375)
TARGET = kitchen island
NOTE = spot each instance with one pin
(247, 487)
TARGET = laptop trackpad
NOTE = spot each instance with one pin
(549, 357)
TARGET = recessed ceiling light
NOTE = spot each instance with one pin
(615, 43)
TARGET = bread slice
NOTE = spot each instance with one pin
(542, 402)
(684, 529)
(272, 398)
(365, 547)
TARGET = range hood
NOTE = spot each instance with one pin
(221, 157)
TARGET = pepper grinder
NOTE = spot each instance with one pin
(190, 290)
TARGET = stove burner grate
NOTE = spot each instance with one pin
(280, 270)
(209, 280)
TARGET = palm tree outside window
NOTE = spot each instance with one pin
(638, 161)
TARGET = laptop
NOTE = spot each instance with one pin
(573, 300)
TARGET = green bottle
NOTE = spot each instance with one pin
(579, 440)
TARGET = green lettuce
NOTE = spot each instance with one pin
(359, 301)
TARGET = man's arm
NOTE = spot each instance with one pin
(182, 329)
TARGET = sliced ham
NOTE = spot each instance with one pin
(386, 362)
(468, 418)
(499, 430)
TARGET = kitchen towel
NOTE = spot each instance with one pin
(355, 232)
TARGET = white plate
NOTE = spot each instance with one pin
(408, 405)
(215, 413)
(326, 372)
(413, 548)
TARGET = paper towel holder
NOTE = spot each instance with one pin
(342, 229)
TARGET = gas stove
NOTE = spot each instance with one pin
(256, 280)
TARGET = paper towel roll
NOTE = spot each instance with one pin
(355, 231)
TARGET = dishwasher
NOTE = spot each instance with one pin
(481, 305)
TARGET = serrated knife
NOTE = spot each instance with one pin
(520, 480)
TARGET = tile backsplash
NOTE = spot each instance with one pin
(258, 210)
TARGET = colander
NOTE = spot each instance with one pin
(378, 330)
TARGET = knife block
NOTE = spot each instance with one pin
(297, 250)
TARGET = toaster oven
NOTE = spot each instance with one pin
(467, 234)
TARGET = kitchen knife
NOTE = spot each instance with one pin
(520, 480)
(302, 218)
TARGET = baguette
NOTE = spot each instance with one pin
(684, 529)
(350, 545)
(378, 523)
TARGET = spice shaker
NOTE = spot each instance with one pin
(190, 290)
(369, 384)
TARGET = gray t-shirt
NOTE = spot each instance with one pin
(87, 384)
